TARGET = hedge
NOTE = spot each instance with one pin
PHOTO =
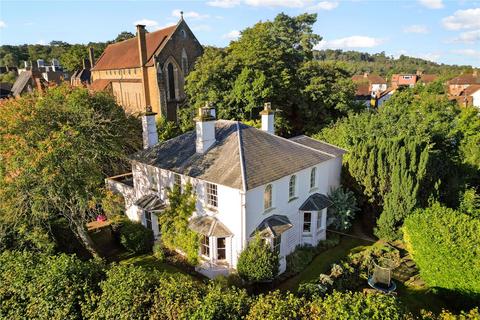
(445, 244)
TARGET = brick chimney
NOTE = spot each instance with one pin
(91, 57)
(142, 53)
(268, 118)
(205, 129)
(149, 128)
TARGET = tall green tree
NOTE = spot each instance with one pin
(271, 61)
(56, 150)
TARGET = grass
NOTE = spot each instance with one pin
(149, 261)
(416, 299)
(322, 262)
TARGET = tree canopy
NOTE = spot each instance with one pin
(56, 150)
(272, 61)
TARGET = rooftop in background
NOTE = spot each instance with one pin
(471, 78)
(264, 157)
(371, 78)
(124, 54)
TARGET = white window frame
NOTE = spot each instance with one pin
(268, 197)
(211, 194)
(153, 179)
(148, 220)
(309, 223)
(277, 244)
(320, 220)
(224, 248)
(205, 245)
(292, 187)
(177, 181)
(313, 178)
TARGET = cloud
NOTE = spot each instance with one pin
(350, 42)
(432, 4)
(189, 14)
(232, 35)
(324, 5)
(223, 3)
(416, 28)
(463, 19)
(147, 23)
(431, 56)
(41, 42)
(468, 52)
(2, 24)
(468, 37)
(279, 3)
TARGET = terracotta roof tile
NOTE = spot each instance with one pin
(371, 78)
(465, 79)
(124, 54)
(99, 84)
(471, 89)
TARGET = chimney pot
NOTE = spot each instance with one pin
(268, 118)
(205, 128)
(149, 128)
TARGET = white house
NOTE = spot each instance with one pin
(246, 180)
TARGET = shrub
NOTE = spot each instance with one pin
(343, 209)
(135, 237)
(174, 224)
(470, 203)
(38, 286)
(300, 258)
(159, 252)
(348, 305)
(258, 262)
(275, 306)
(174, 301)
(445, 244)
(222, 303)
(127, 293)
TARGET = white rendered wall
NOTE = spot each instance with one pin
(476, 99)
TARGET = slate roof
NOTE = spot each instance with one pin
(151, 202)
(124, 54)
(316, 202)
(209, 226)
(243, 157)
(273, 226)
(319, 145)
(21, 82)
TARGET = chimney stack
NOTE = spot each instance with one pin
(91, 57)
(149, 128)
(205, 128)
(268, 118)
(142, 53)
(365, 74)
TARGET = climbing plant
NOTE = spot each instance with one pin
(174, 223)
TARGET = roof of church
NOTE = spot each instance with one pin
(242, 157)
(124, 54)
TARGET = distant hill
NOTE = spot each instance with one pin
(359, 62)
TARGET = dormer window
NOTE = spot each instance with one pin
(267, 197)
(291, 187)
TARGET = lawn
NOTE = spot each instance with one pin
(149, 261)
(322, 262)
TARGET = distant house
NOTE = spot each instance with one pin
(403, 80)
(457, 85)
(83, 77)
(472, 94)
(246, 181)
(368, 86)
(149, 70)
(28, 81)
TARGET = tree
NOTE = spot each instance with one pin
(470, 203)
(73, 58)
(401, 156)
(56, 150)
(270, 62)
(124, 35)
(258, 262)
(9, 60)
(445, 244)
(38, 286)
(343, 209)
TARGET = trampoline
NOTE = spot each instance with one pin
(381, 278)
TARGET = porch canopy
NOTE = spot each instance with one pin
(209, 226)
(151, 202)
(273, 226)
(316, 202)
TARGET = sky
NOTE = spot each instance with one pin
(437, 30)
